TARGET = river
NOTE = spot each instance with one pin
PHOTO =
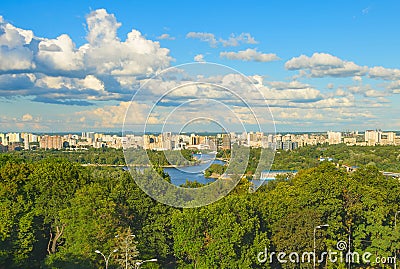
(195, 172)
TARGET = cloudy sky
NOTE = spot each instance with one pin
(75, 65)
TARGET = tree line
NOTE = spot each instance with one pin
(54, 213)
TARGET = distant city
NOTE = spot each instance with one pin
(170, 141)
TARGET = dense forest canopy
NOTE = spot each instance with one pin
(386, 158)
(55, 213)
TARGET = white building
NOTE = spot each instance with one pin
(373, 137)
(334, 138)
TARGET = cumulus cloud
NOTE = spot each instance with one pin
(294, 95)
(327, 65)
(374, 93)
(15, 82)
(380, 72)
(232, 41)
(48, 68)
(287, 99)
(89, 82)
(249, 55)
(394, 86)
(113, 116)
(205, 37)
(109, 67)
(60, 54)
(283, 85)
(102, 27)
(199, 58)
(14, 52)
(27, 117)
(323, 64)
(367, 91)
(108, 55)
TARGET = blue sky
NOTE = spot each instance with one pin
(325, 65)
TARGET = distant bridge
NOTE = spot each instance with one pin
(271, 174)
(391, 174)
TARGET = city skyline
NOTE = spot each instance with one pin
(206, 141)
(75, 66)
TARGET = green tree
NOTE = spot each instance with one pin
(127, 253)
(51, 185)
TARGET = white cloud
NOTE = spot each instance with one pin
(394, 86)
(283, 85)
(109, 67)
(89, 82)
(166, 37)
(98, 65)
(375, 93)
(108, 55)
(113, 116)
(335, 102)
(60, 54)
(14, 55)
(299, 114)
(340, 92)
(249, 55)
(367, 91)
(296, 95)
(13, 36)
(205, 37)
(232, 41)
(24, 123)
(316, 60)
(102, 27)
(27, 117)
(384, 73)
(323, 64)
(199, 58)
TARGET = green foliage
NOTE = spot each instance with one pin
(386, 158)
(46, 202)
(222, 235)
(192, 184)
(214, 169)
(127, 252)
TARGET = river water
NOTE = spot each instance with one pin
(195, 172)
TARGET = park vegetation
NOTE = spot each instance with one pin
(54, 213)
(214, 170)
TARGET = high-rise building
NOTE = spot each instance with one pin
(97, 137)
(226, 141)
(26, 145)
(13, 137)
(251, 138)
(372, 137)
(194, 139)
(388, 138)
(334, 138)
(51, 142)
(3, 140)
